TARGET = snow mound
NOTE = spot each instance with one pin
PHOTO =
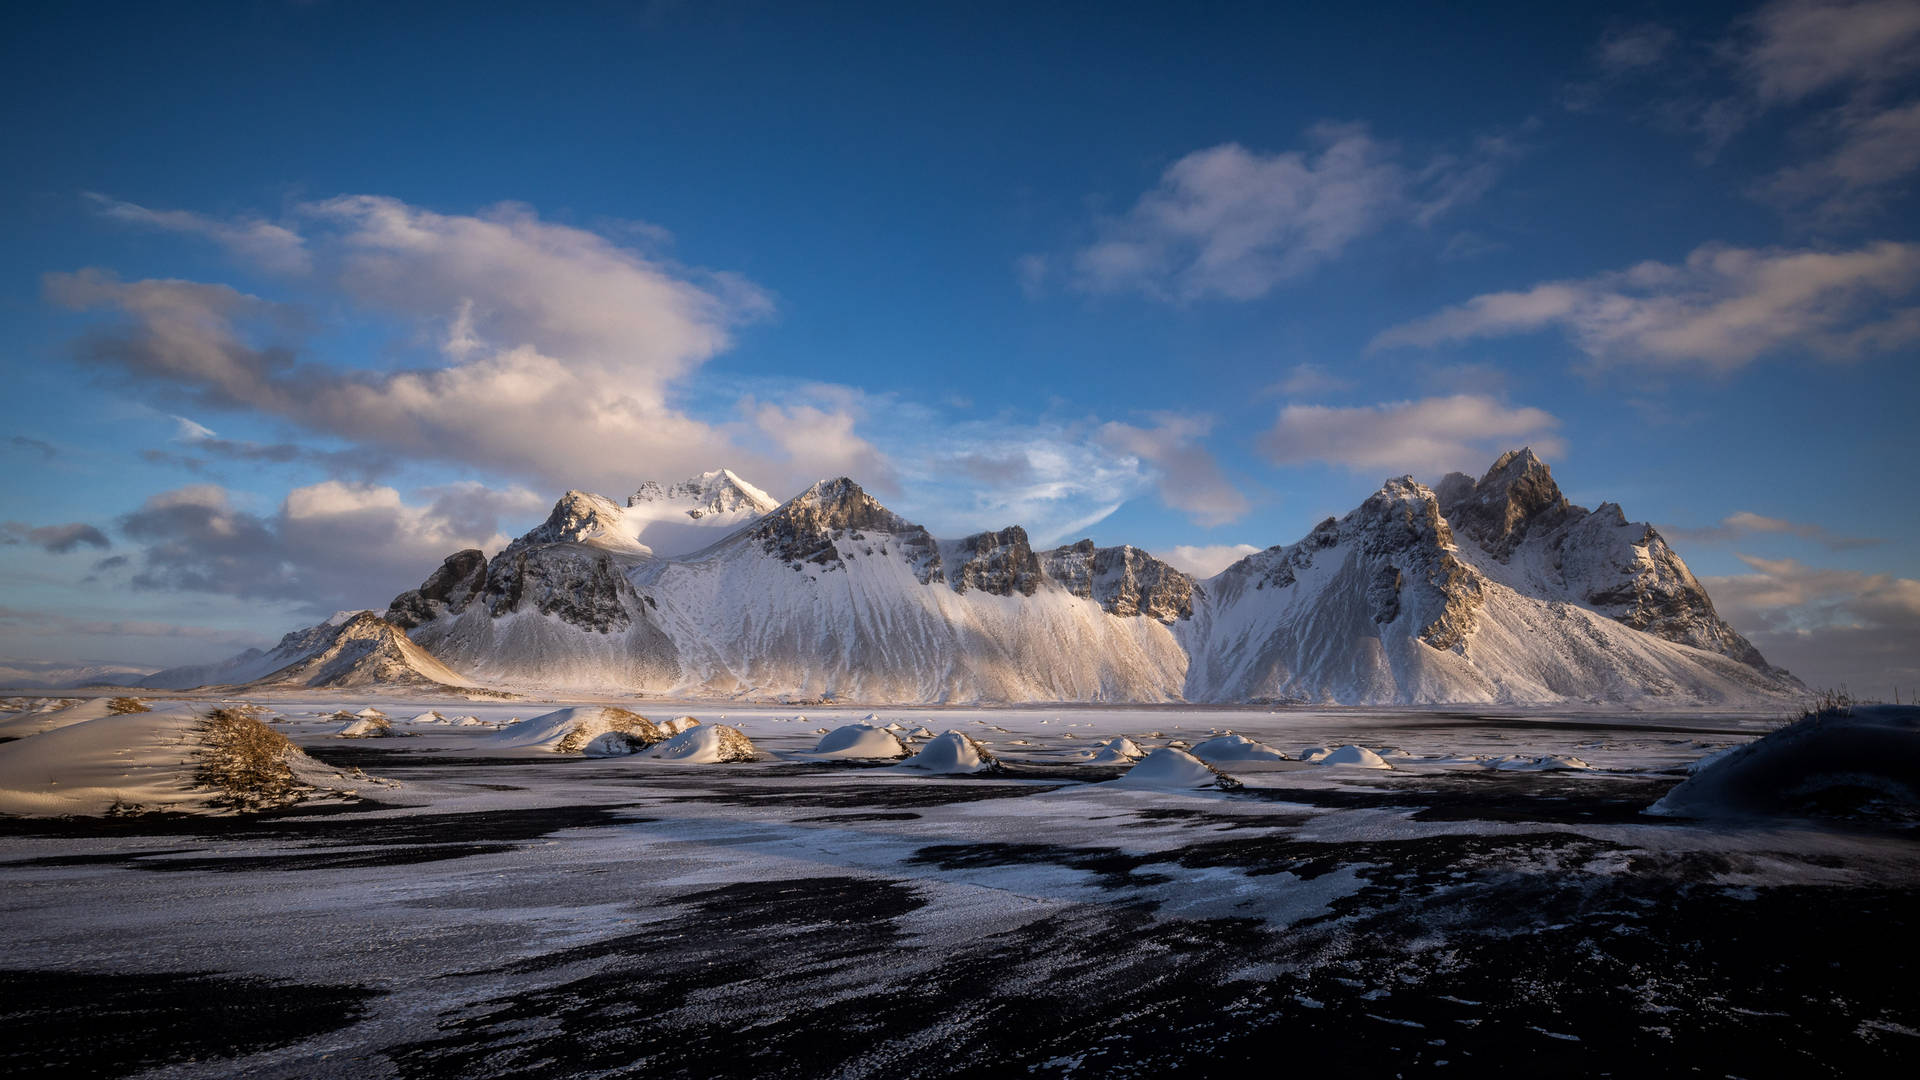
(429, 717)
(1171, 768)
(954, 754)
(922, 732)
(1356, 757)
(371, 713)
(1119, 751)
(568, 731)
(466, 721)
(707, 744)
(1862, 763)
(367, 727)
(859, 741)
(679, 724)
(171, 759)
(1235, 748)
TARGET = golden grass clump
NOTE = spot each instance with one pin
(120, 706)
(248, 763)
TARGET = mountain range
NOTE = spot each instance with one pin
(1488, 590)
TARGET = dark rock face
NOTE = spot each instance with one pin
(1125, 580)
(1001, 563)
(1400, 529)
(1383, 594)
(579, 585)
(448, 589)
(1626, 572)
(805, 529)
(1515, 499)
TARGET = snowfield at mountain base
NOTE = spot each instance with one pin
(569, 914)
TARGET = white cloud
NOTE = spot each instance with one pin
(1833, 628)
(1234, 223)
(1744, 523)
(255, 240)
(1431, 435)
(1206, 560)
(1188, 477)
(1723, 308)
(329, 546)
(562, 352)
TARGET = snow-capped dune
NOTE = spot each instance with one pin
(859, 741)
(569, 731)
(954, 753)
(1174, 769)
(708, 744)
(176, 759)
(1223, 748)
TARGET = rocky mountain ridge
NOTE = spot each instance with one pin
(1489, 590)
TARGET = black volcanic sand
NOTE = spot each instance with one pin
(1512, 945)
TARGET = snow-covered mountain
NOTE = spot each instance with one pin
(42, 675)
(1493, 590)
(829, 594)
(1488, 590)
(351, 649)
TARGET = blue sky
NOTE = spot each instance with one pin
(299, 297)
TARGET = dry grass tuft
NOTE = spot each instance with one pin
(120, 706)
(247, 762)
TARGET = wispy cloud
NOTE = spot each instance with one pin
(254, 240)
(1233, 223)
(1426, 436)
(1744, 524)
(1187, 476)
(1831, 627)
(1721, 309)
(56, 539)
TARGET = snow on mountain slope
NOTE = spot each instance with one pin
(252, 664)
(830, 594)
(1387, 606)
(1489, 590)
(364, 651)
(352, 648)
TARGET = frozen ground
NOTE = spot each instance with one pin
(1485, 905)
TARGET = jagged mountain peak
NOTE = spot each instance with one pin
(716, 491)
(1516, 498)
(579, 516)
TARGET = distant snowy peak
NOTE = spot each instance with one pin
(720, 492)
(659, 520)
